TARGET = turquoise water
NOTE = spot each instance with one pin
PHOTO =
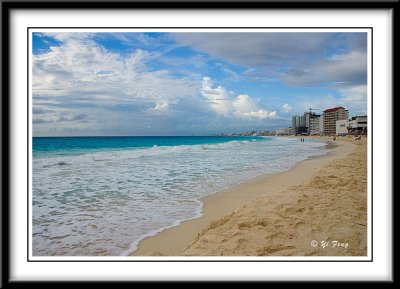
(103, 195)
(53, 146)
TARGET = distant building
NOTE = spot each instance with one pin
(341, 127)
(355, 125)
(284, 131)
(358, 124)
(307, 123)
(266, 133)
(321, 124)
(296, 123)
(304, 120)
(299, 124)
(332, 115)
(313, 127)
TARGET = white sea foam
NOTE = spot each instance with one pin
(104, 203)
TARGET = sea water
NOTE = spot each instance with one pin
(102, 195)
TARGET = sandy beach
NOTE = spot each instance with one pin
(323, 199)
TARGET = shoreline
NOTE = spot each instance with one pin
(172, 241)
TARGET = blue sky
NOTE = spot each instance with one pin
(192, 83)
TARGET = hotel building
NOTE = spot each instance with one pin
(332, 115)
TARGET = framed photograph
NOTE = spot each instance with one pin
(238, 142)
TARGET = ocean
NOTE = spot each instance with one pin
(100, 196)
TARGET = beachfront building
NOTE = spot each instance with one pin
(321, 124)
(341, 127)
(355, 125)
(331, 115)
(358, 124)
(313, 127)
(300, 124)
(296, 123)
(307, 123)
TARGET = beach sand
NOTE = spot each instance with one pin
(322, 199)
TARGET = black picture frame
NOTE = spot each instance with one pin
(6, 132)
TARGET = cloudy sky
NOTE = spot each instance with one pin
(193, 83)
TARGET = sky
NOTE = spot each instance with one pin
(191, 83)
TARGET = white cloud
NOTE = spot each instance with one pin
(207, 83)
(355, 99)
(260, 114)
(218, 98)
(286, 108)
(81, 74)
(161, 106)
(297, 59)
(79, 83)
(82, 69)
(63, 37)
(228, 104)
(355, 94)
(244, 103)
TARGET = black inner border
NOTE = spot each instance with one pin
(170, 28)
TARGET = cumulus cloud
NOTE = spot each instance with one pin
(81, 74)
(260, 114)
(84, 80)
(161, 106)
(218, 98)
(286, 108)
(228, 104)
(79, 67)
